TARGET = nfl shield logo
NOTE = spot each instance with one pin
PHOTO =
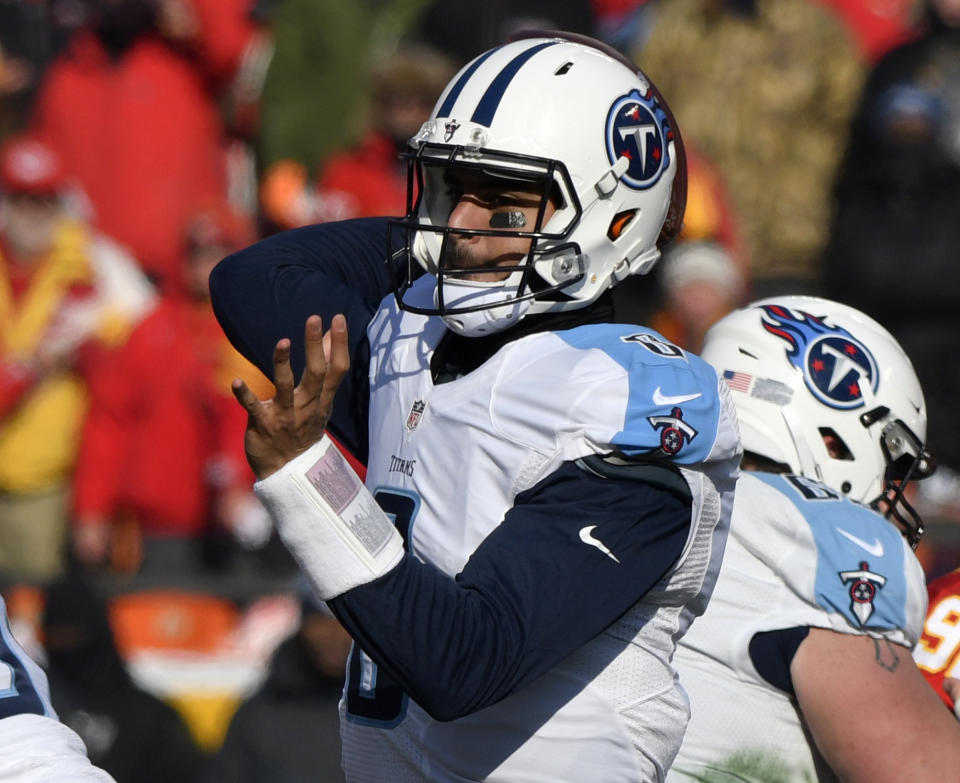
(416, 413)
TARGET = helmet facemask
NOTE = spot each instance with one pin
(540, 188)
(907, 459)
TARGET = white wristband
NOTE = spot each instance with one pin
(329, 520)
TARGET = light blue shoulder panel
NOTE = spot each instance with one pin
(673, 407)
(861, 572)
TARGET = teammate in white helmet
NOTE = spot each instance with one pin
(800, 668)
(556, 487)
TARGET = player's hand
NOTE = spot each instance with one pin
(280, 429)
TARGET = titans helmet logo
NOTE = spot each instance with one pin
(638, 130)
(836, 367)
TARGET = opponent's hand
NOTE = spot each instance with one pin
(280, 429)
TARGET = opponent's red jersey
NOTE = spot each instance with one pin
(938, 652)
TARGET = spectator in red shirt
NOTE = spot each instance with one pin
(131, 107)
(162, 446)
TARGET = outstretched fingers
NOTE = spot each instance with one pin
(338, 357)
(327, 360)
(283, 374)
(246, 398)
(315, 365)
(280, 429)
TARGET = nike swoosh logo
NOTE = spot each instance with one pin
(875, 549)
(586, 535)
(659, 398)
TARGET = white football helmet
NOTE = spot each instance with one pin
(576, 122)
(828, 392)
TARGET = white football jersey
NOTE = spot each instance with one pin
(40, 749)
(798, 554)
(451, 458)
(36, 746)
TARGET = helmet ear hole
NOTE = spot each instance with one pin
(836, 447)
(619, 223)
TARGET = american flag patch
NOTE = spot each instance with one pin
(738, 381)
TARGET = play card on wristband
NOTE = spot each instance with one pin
(329, 520)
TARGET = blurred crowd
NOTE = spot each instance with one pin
(143, 140)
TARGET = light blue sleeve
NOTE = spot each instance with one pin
(673, 408)
(861, 570)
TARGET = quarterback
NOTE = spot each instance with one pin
(547, 493)
(800, 668)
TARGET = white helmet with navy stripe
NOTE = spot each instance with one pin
(825, 390)
(583, 126)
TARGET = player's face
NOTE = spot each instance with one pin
(489, 203)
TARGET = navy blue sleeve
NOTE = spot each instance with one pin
(19, 690)
(572, 556)
(772, 653)
(266, 292)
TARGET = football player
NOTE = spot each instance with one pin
(800, 667)
(938, 651)
(558, 487)
(37, 747)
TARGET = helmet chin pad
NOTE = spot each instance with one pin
(497, 311)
